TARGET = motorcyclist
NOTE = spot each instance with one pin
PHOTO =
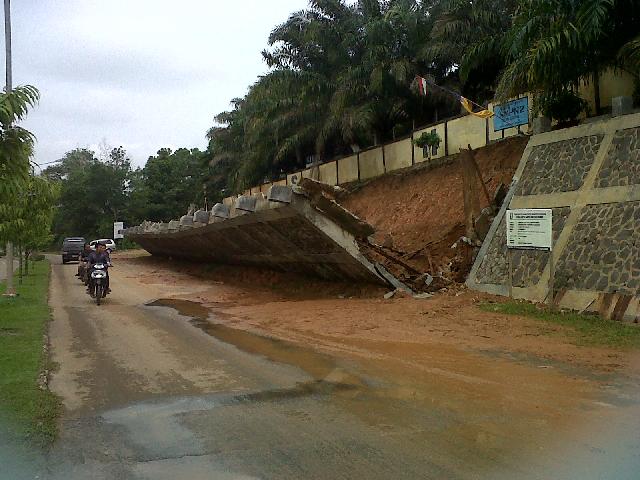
(86, 250)
(99, 256)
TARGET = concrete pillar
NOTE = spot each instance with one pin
(621, 106)
(186, 221)
(280, 193)
(541, 125)
(246, 203)
(201, 216)
(219, 212)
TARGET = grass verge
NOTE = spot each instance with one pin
(30, 410)
(583, 329)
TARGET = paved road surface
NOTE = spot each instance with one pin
(151, 393)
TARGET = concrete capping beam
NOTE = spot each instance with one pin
(219, 211)
(186, 221)
(201, 216)
(280, 193)
(246, 203)
(621, 106)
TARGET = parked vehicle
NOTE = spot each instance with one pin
(99, 280)
(108, 242)
(71, 248)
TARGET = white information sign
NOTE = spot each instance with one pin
(529, 228)
(117, 228)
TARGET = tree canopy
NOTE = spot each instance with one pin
(341, 72)
(340, 79)
(95, 192)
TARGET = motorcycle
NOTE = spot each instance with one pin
(98, 282)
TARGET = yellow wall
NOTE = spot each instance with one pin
(228, 201)
(615, 84)
(398, 154)
(281, 182)
(328, 173)
(419, 152)
(348, 169)
(463, 131)
(264, 188)
(612, 84)
(371, 163)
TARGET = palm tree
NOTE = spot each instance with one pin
(468, 36)
(553, 44)
(16, 148)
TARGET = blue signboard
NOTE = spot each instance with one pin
(511, 114)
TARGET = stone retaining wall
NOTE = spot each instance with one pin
(590, 176)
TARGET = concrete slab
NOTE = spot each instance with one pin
(295, 237)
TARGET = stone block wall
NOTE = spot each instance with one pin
(590, 176)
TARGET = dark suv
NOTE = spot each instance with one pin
(71, 248)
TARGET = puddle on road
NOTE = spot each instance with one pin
(322, 368)
(488, 426)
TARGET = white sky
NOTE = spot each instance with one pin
(143, 74)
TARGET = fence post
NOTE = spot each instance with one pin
(337, 173)
(446, 139)
(358, 161)
(413, 151)
(384, 165)
(486, 131)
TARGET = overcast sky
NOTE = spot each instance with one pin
(143, 74)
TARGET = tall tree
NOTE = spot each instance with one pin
(16, 148)
(553, 44)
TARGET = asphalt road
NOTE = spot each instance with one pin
(148, 394)
(157, 390)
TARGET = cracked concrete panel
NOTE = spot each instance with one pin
(621, 166)
(560, 166)
(603, 252)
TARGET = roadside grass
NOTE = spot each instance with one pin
(582, 329)
(30, 410)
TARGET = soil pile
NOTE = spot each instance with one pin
(419, 212)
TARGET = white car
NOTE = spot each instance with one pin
(110, 244)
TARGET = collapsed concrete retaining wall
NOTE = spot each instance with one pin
(287, 230)
(590, 176)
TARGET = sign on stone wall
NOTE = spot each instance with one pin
(511, 114)
(529, 228)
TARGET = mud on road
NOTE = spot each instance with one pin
(180, 375)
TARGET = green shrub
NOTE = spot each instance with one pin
(427, 139)
(564, 106)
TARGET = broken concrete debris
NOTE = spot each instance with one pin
(292, 232)
(300, 230)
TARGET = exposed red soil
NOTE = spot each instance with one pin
(345, 317)
(422, 209)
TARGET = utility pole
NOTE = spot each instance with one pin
(10, 291)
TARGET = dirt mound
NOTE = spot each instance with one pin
(419, 211)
